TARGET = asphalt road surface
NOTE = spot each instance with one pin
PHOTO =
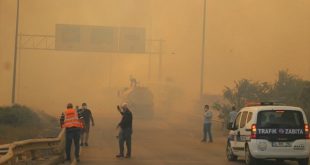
(159, 142)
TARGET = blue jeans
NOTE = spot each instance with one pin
(207, 131)
(73, 134)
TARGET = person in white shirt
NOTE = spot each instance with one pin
(232, 115)
(207, 125)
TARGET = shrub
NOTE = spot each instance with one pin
(18, 115)
(17, 120)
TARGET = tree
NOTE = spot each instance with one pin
(288, 89)
(246, 90)
(304, 98)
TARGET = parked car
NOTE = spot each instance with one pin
(268, 131)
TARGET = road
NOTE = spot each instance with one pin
(158, 142)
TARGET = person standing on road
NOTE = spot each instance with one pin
(125, 132)
(207, 124)
(232, 116)
(133, 81)
(87, 116)
(224, 121)
(72, 121)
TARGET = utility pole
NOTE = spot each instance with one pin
(160, 64)
(13, 101)
(203, 49)
(150, 61)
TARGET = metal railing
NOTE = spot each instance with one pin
(33, 150)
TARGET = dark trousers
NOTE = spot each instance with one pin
(85, 134)
(125, 136)
(229, 125)
(73, 134)
(207, 131)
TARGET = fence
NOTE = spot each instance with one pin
(47, 150)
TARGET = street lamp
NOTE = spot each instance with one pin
(13, 101)
(203, 49)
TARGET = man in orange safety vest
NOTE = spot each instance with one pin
(72, 121)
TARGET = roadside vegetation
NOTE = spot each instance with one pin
(19, 123)
(288, 89)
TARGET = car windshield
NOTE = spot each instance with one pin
(280, 119)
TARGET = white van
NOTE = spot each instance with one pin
(269, 132)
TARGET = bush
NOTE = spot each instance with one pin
(17, 120)
(18, 116)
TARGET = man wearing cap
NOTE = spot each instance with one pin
(125, 132)
(72, 121)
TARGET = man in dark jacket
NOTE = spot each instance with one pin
(87, 116)
(125, 131)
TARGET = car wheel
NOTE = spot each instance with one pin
(229, 153)
(249, 159)
(303, 161)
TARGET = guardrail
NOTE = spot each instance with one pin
(33, 150)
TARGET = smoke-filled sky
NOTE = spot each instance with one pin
(244, 39)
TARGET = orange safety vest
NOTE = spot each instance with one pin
(72, 119)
